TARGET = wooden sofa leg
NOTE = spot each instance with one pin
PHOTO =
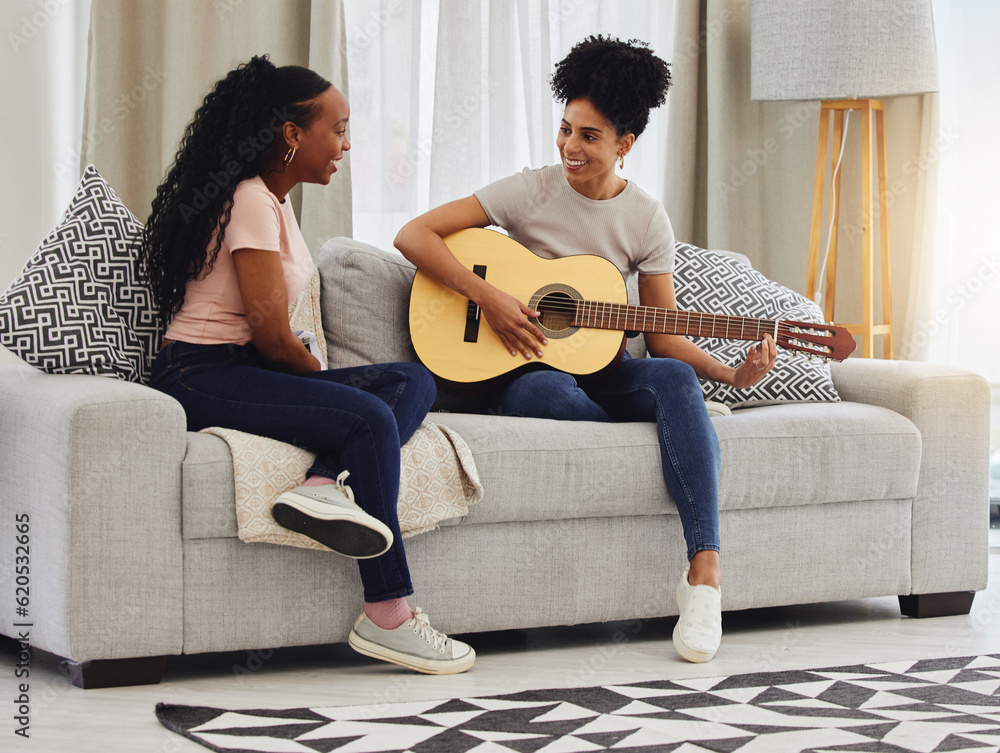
(936, 605)
(114, 673)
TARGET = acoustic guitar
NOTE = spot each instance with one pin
(584, 314)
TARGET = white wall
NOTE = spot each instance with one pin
(43, 60)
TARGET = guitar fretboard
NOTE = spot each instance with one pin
(617, 316)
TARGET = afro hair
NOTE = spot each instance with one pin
(623, 80)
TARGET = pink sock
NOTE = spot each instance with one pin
(318, 481)
(388, 615)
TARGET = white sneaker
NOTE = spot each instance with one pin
(329, 515)
(698, 631)
(414, 645)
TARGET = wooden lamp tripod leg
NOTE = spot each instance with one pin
(817, 212)
(883, 214)
(831, 262)
(873, 116)
(867, 238)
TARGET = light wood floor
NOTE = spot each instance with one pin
(64, 718)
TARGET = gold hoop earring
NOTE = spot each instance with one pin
(289, 156)
(621, 161)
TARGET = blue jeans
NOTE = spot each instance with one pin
(663, 390)
(354, 419)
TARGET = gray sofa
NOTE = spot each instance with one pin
(134, 555)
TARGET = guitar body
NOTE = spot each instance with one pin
(457, 345)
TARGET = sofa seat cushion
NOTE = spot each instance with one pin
(535, 469)
(838, 452)
(828, 452)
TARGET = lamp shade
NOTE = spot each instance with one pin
(841, 49)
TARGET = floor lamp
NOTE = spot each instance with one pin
(848, 54)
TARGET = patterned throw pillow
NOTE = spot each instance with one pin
(715, 283)
(81, 305)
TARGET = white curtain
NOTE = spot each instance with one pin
(43, 58)
(963, 325)
(447, 96)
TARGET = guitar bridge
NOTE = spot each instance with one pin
(473, 311)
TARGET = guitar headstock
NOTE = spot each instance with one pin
(827, 341)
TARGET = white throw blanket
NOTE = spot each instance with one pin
(438, 476)
(438, 481)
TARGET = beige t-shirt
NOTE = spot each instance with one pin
(213, 312)
(541, 211)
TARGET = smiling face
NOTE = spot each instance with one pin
(589, 147)
(322, 144)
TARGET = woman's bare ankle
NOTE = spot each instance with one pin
(705, 569)
(318, 481)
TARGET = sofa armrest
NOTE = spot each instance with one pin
(951, 409)
(95, 464)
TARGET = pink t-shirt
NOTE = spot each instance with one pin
(212, 312)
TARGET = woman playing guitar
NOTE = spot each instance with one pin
(584, 206)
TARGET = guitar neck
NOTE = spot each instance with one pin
(617, 316)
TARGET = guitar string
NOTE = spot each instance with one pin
(602, 307)
(602, 310)
(789, 335)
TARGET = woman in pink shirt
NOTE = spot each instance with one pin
(225, 256)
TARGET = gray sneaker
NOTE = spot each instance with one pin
(414, 645)
(329, 515)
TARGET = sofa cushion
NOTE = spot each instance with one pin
(716, 283)
(365, 299)
(827, 453)
(81, 304)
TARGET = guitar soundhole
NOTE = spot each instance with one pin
(557, 312)
(557, 303)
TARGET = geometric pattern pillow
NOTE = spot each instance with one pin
(81, 304)
(715, 283)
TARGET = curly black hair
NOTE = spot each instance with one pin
(230, 139)
(623, 80)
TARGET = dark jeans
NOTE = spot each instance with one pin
(354, 419)
(663, 390)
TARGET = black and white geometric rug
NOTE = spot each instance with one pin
(931, 705)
